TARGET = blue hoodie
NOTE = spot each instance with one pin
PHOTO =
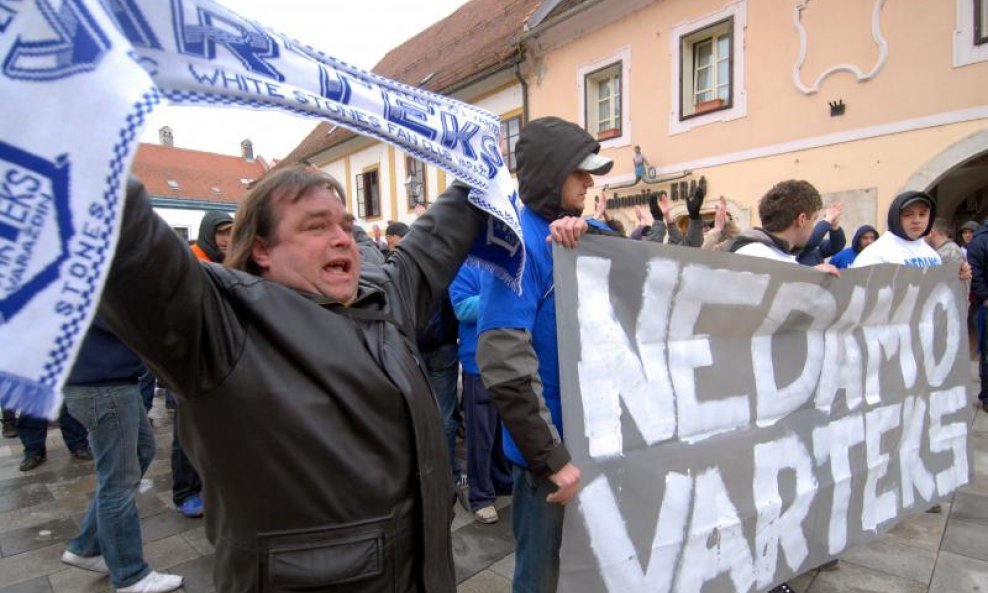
(846, 257)
(464, 293)
(548, 149)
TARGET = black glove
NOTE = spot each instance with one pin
(694, 202)
(653, 206)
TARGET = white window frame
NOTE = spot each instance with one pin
(690, 45)
(368, 196)
(587, 96)
(681, 84)
(980, 22)
(510, 140)
(966, 51)
(593, 82)
(412, 163)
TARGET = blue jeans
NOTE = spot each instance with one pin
(488, 470)
(146, 386)
(538, 527)
(443, 366)
(33, 432)
(123, 447)
(186, 482)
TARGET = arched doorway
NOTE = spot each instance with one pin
(958, 179)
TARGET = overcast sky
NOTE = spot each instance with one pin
(359, 32)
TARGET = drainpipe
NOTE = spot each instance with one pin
(519, 58)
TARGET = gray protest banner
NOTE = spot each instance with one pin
(739, 421)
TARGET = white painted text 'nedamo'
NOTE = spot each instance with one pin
(846, 345)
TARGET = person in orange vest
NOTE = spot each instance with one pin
(214, 236)
(210, 246)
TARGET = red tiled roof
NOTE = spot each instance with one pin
(472, 39)
(476, 37)
(198, 174)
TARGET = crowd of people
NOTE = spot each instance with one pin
(316, 368)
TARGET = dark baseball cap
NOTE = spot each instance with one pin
(914, 197)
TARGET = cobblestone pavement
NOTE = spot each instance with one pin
(40, 509)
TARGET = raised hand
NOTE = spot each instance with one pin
(665, 206)
(695, 202)
(832, 215)
(720, 214)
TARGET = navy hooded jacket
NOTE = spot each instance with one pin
(977, 256)
(845, 258)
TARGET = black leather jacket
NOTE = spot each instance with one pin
(312, 424)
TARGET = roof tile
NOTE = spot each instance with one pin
(196, 173)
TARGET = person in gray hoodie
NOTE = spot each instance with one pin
(214, 236)
(966, 234)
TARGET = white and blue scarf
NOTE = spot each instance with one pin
(78, 80)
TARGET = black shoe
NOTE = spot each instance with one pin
(83, 454)
(32, 461)
(9, 430)
(783, 588)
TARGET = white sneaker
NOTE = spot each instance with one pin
(154, 582)
(486, 515)
(91, 563)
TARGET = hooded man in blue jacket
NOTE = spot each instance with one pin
(517, 351)
(863, 237)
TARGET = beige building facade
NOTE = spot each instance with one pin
(863, 98)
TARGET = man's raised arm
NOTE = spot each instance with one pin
(428, 257)
(160, 302)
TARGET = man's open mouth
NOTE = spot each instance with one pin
(340, 266)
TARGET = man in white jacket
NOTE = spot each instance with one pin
(910, 219)
(788, 212)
